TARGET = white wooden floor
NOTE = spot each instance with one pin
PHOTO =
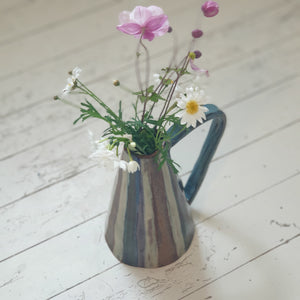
(54, 200)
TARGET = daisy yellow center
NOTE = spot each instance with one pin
(192, 107)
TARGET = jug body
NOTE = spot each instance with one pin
(149, 223)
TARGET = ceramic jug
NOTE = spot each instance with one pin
(149, 223)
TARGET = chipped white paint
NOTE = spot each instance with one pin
(53, 201)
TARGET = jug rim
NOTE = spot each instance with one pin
(142, 156)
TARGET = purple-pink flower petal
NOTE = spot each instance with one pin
(140, 15)
(124, 17)
(148, 35)
(155, 10)
(193, 66)
(146, 21)
(130, 28)
(158, 24)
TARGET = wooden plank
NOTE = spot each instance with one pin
(51, 211)
(252, 81)
(207, 259)
(6, 6)
(71, 249)
(44, 166)
(33, 17)
(271, 275)
(91, 58)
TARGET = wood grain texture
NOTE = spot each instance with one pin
(54, 200)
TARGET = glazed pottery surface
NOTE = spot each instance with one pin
(149, 223)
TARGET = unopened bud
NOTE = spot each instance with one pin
(132, 144)
(170, 29)
(210, 8)
(55, 97)
(197, 33)
(197, 53)
(116, 82)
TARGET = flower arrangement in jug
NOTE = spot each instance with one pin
(156, 106)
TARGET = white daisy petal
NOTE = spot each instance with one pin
(133, 166)
(191, 105)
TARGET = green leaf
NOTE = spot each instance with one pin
(155, 97)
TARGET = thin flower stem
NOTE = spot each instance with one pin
(87, 91)
(137, 66)
(147, 65)
(69, 103)
(129, 154)
(184, 63)
(146, 78)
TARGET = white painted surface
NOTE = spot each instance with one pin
(54, 201)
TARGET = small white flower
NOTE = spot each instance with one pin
(191, 105)
(103, 155)
(156, 79)
(71, 81)
(133, 166)
(121, 164)
(75, 73)
(68, 87)
(93, 143)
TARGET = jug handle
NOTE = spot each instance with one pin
(207, 152)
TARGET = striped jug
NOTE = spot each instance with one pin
(149, 223)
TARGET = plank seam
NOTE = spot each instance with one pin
(54, 236)
(244, 264)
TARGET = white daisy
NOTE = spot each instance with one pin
(75, 73)
(191, 105)
(103, 155)
(68, 87)
(121, 164)
(156, 79)
(108, 158)
(71, 81)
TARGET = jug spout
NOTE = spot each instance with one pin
(150, 223)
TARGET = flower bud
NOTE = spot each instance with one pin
(116, 82)
(170, 29)
(197, 33)
(197, 53)
(210, 8)
(55, 97)
(132, 145)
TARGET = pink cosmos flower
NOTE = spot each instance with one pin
(210, 8)
(147, 22)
